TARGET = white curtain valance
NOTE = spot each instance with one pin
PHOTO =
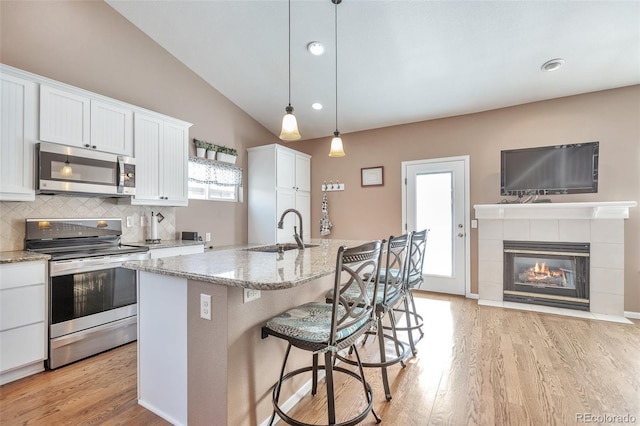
(202, 170)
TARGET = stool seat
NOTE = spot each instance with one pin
(311, 323)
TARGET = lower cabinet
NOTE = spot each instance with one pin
(23, 321)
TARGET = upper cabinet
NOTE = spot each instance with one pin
(18, 115)
(161, 161)
(76, 119)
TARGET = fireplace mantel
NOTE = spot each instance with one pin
(589, 210)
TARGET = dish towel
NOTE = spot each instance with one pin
(325, 223)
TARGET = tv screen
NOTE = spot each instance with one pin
(560, 169)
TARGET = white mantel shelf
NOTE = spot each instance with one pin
(587, 210)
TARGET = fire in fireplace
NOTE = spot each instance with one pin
(547, 273)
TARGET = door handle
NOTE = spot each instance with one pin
(460, 234)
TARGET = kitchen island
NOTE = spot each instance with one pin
(220, 371)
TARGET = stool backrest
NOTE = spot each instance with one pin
(356, 269)
(395, 267)
(415, 260)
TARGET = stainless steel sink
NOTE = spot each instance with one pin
(275, 248)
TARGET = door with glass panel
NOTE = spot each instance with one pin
(435, 197)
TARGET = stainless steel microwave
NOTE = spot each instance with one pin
(70, 170)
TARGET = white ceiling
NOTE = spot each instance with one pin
(398, 61)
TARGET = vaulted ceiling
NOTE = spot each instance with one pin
(398, 61)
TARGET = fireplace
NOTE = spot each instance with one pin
(547, 273)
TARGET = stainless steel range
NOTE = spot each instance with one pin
(92, 300)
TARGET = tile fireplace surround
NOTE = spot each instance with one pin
(599, 223)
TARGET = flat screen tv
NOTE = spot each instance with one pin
(559, 169)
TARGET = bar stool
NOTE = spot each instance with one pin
(413, 279)
(326, 328)
(389, 294)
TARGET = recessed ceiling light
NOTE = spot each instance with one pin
(315, 48)
(552, 64)
(316, 106)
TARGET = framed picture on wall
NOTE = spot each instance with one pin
(372, 176)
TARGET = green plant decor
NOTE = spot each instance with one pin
(228, 151)
(201, 144)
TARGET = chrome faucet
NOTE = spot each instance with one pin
(296, 237)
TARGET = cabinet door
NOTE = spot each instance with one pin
(286, 199)
(173, 165)
(18, 100)
(111, 128)
(148, 133)
(285, 168)
(303, 173)
(303, 205)
(64, 117)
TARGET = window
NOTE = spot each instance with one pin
(213, 180)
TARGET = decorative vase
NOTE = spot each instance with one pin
(211, 155)
(200, 152)
(227, 158)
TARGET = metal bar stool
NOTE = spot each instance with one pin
(326, 328)
(389, 294)
(413, 279)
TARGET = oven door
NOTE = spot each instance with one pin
(92, 307)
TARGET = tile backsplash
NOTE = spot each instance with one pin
(13, 214)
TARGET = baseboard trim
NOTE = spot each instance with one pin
(472, 296)
(634, 315)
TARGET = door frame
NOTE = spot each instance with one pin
(467, 207)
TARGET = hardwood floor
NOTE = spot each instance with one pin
(477, 365)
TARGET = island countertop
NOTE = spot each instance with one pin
(239, 267)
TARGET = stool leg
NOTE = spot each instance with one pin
(408, 319)
(413, 304)
(328, 366)
(314, 385)
(392, 320)
(383, 359)
(279, 384)
(364, 382)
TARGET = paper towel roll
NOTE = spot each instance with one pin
(154, 227)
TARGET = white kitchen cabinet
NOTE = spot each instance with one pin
(18, 115)
(161, 161)
(175, 251)
(278, 179)
(111, 128)
(64, 117)
(22, 319)
(75, 118)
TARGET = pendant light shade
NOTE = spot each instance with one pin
(337, 150)
(336, 146)
(289, 130)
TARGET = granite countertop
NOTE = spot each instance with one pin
(163, 244)
(22, 256)
(238, 267)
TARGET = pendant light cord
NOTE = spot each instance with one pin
(336, 41)
(289, 52)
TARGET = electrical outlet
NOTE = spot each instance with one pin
(129, 221)
(205, 306)
(250, 295)
(207, 236)
(474, 223)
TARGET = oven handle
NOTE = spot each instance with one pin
(73, 266)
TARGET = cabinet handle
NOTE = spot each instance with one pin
(93, 146)
(86, 145)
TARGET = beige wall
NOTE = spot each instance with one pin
(89, 45)
(611, 117)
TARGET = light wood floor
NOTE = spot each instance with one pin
(477, 365)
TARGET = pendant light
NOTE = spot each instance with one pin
(289, 130)
(336, 143)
